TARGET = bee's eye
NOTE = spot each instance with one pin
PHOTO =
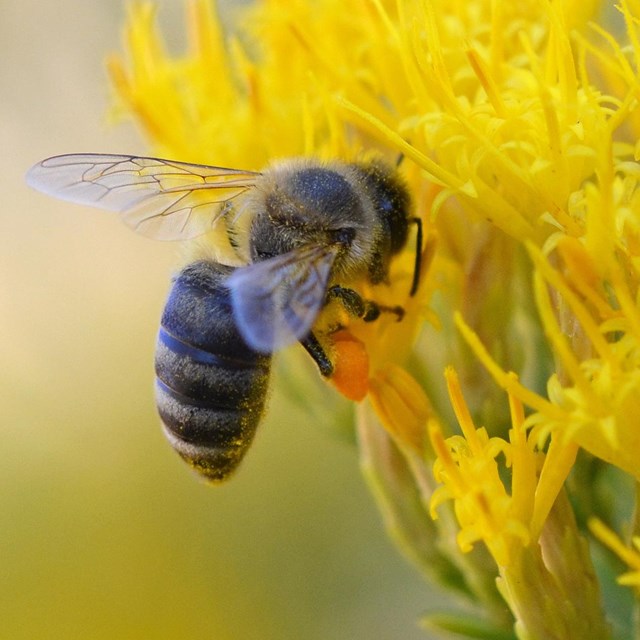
(345, 236)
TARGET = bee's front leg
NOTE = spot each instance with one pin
(356, 305)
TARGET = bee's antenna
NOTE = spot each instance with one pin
(418, 263)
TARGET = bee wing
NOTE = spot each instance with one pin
(160, 199)
(275, 302)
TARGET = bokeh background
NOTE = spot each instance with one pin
(104, 532)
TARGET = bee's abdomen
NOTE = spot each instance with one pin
(210, 386)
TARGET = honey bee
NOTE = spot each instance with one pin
(303, 231)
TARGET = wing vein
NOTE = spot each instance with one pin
(163, 199)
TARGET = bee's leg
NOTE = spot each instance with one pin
(356, 305)
(418, 263)
(315, 350)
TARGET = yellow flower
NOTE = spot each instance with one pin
(517, 523)
(204, 106)
(401, 406)
(518, 125)
(524, 138)
(526, 523)
(468, 468)
(599, 399)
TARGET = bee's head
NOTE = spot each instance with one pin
(303, 202)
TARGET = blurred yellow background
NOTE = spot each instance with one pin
(104, 532)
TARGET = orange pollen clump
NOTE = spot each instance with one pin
(351, 366)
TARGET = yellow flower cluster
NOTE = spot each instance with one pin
(466, 467)
(518, 124)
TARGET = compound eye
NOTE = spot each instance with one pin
(345, 236)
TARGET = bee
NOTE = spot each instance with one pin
(303, 231)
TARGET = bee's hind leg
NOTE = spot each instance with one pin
(315, 350)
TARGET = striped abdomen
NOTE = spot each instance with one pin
(210, 386)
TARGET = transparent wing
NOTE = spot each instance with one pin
(276, 302)
(161, 199)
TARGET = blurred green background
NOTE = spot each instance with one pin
(104, 532)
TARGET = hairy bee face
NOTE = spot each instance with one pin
(301, 203)
(358, 208)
